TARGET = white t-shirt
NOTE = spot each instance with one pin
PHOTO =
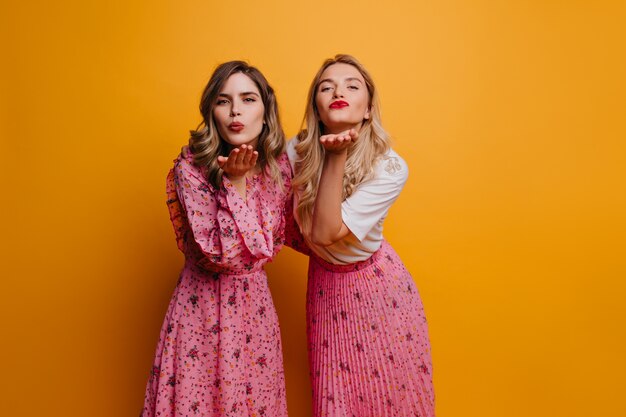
(364, 211)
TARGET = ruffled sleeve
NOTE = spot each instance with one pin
(177, 215)
(219, 220)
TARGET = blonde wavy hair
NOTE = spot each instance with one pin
(372, 144)
(205, 142)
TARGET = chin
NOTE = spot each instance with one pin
(340, 125)
(236, 142)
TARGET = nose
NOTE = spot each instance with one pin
(234, 111)
(337, 92)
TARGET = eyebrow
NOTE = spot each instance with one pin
(245, 93)
(347, 79)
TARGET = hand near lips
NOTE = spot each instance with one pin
(239, 161)
(338, 143)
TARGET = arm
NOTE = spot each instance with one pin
(328, 226)
(235, 166)
(219, 220)
(293, 236)
(371, 200)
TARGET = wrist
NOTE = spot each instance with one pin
(235, 178)
(343, 153)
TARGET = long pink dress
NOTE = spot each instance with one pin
(219, 352)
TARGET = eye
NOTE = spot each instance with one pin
(353, 87)
(249, 99)
(325, 88)
(221, 101)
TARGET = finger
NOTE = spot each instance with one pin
(243, 150)
(248, 156)
(233, 154)
(221, 161)
(253, 159)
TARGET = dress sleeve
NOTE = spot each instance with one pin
(220, 220)
(371, 201)
(177, 215)
(293, 236)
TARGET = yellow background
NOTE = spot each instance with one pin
(510, 114)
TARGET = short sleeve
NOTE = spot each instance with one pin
(219, 220)
(372, 199)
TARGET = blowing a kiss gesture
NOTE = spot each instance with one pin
(328, 226)
(236, 165)
(239, 162)
(340, 142)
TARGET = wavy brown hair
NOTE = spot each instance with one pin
(205, 142)
(372, 144)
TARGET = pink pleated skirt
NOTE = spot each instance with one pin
(369, 351)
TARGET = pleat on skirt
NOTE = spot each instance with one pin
(369, 350)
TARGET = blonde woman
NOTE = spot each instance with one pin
(219, 353)
(369, 349)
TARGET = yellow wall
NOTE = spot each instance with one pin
(511, 116)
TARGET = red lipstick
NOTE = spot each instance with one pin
(236, 126)
(339, 104)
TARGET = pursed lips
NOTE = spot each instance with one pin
(339, 104)
(236, 126)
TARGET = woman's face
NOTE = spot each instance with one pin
(342, 98)
(239, 111)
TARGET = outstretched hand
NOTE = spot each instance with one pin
(337, 143)
(239, 161)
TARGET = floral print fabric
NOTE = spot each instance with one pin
(219, 351)
(369, 350)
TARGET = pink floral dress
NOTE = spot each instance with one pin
(219, 352)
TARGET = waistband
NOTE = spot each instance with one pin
(357, 266)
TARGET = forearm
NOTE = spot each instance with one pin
(327, 220)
